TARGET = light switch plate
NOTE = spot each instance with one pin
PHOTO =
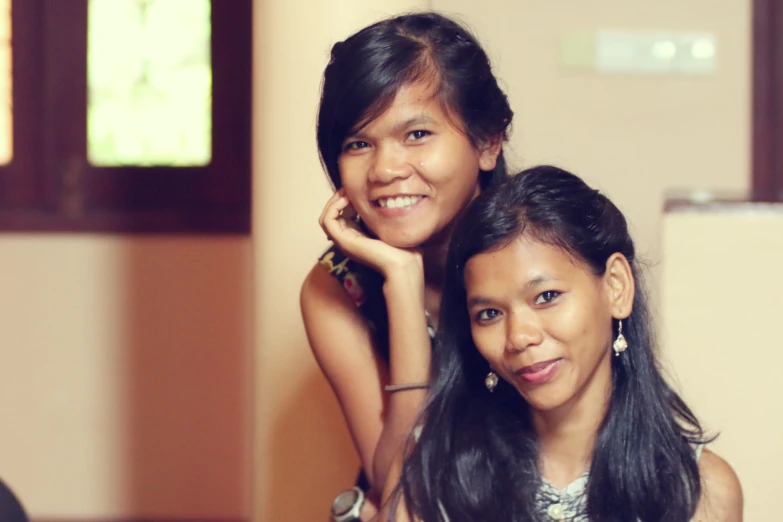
(640, 52)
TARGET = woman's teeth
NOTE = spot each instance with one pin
(398, 202)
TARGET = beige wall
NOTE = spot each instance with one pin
(124, 375)
(722, 296)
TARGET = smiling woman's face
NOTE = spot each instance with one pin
(543, 322)
(410, 172)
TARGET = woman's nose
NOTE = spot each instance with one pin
(389, 165)
(523, 332)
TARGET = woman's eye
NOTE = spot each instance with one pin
(418, 134)
(547, 297)
(488, 314)
(354, 145)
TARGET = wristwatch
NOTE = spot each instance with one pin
(347, 505)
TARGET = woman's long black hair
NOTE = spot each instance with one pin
(367, 69)
(477, 455)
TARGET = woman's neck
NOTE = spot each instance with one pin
(434, 259)
(567, 434)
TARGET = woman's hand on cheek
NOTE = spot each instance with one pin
(338, 220)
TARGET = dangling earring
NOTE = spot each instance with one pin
(491, 381)
(619, 344)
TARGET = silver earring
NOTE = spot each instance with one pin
(491, 381)
(620, 344)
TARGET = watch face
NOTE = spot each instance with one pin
(344, 502)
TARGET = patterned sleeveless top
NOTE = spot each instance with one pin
(365, 287)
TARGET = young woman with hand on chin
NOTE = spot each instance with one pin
(410, 130)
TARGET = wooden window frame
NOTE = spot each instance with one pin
(767, 139)
(49, 184)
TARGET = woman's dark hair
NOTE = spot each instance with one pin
(477, 452)
(366, 71)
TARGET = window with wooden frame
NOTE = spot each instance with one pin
(125, 115)
(767, 141)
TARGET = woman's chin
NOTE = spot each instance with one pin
(543, 402)
(402, 239)
(412, 236)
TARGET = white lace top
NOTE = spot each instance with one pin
(568, 504)
(564, 504)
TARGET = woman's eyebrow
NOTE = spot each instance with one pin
(399, 127)
(479, 300)
(411, 122)
(537, 280)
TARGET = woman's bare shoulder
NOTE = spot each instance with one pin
(721, 496)
(328, 310)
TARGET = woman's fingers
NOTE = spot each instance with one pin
(334, 211)
(338, 220)
(332, 214)
(349, 213)
(328, 208)
(340, 229)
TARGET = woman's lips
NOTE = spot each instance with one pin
(540, 372)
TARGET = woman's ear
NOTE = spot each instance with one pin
(489, 152)
(620, 285)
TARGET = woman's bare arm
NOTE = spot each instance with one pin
(342, 344)
(390, 490)
(410, 353)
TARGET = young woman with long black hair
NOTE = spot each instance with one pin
(547, 399)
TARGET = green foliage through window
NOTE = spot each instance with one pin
(150, 83)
